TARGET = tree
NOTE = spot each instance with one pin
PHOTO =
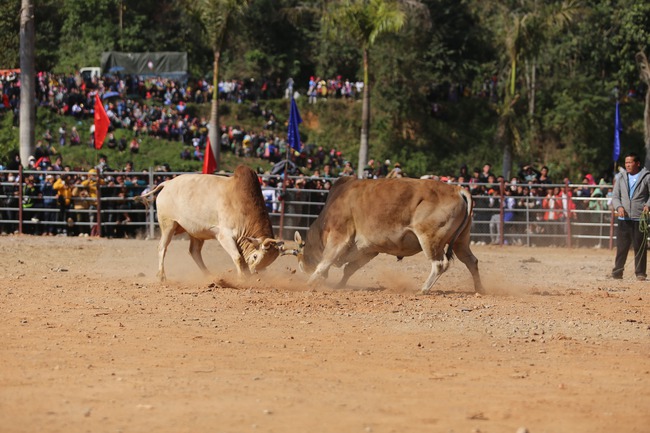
(541, 25)
(217, 17)
(27, 91)
(523, 29)
(365, 20)
(9, 25)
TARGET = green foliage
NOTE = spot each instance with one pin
(569, 127)
(9, 34)
(8, 138)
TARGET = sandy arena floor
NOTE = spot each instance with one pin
(91, 342)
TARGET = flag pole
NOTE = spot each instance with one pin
(284, 191)
(102, 123)
(617, 136)
(615, 155)
(293, 143)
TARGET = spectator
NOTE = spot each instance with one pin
(554, 213)
(494, 206)
(396, 171)
(134, 146)
(49, 203)
(463, 172)
(75, 139)
(186, 154)
(91, 185)
(63, 188)
(528, 174)
(47, 137)
(384, 169)
(112, 141)
(270, 195)
(486, 173)
(631, 201)
(102, 166)
(347, 169)
(369, 170)
(32, 198)
(327, 171)
(288, 92)
(544, 178)
(63, 134)
(58, 163)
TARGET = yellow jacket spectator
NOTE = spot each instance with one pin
(63, 190)
(90, 185)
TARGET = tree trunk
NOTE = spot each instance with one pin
(644, 72)
(214, 133)
(532, 84)
(27, 91)
(503, 137)
(365, 118)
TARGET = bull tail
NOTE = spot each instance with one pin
(148, 197)
(469, 202)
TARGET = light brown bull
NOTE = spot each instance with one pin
(229, 209)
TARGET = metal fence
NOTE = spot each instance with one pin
(564, 215)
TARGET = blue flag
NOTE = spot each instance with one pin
(293, 135)
(617, 134)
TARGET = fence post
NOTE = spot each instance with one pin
(611, 229)
(98, 226)
(21, 173)
(502, 193)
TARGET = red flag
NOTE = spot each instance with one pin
(209, 163)
(101, 123)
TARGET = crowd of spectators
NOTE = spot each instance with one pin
(60, 201)
(535, 205)
(157, 107)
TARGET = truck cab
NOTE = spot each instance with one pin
(90, 72)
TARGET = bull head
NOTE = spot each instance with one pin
(299, 252)
(266, 243)
(263, 253)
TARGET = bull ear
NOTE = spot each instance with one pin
(297, 238)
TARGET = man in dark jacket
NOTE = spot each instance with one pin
(631, 202)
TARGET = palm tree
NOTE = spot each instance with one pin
(365, 21)
(27, 91)
(525, 30)
(217, 17)
(541, 25)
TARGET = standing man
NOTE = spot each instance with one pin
(631, 202)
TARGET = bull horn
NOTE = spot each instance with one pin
(255, 241)
(268, 243)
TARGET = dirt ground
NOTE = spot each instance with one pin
(91, 342)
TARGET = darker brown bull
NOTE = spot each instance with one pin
(401, 217)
